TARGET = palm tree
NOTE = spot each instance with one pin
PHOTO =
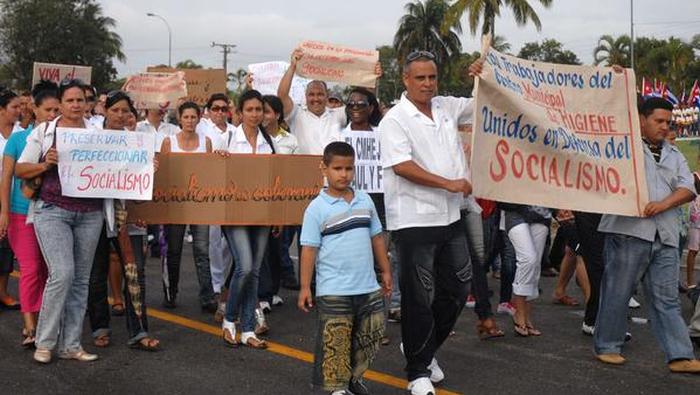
(500, 44)
(612, 50)
(488, 10)
(188, 64)
(679, 55)
(420, 29)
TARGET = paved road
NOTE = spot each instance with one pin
(195, 361)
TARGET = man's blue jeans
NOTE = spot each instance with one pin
(626, 259)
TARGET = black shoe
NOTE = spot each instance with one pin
(169, 303)
(696, 340)
(358, 387)
(210, 307)
(291, 283)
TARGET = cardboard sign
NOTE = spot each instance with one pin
(558, 136)
(368, 164)
(330, 62)
(209, 189)
(105, 163)
(59, 72)
(201, 83)
(267, 76)
(156, 90)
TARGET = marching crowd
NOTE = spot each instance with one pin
(414, 254)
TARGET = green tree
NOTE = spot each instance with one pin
(457, 82)
(612, 51)
(390, 86)
(67, 31)
(188, 64)
(550, 50)
(419, 29)
(500, 44)
(484, 12)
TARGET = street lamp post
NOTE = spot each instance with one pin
(170, 37)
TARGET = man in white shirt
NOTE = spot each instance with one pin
(154, 123)
(217, 127)
(314, 125)
(425, 182)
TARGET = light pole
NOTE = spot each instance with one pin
(170, 37)
(632, 33)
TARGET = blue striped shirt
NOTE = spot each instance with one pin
(343, 233)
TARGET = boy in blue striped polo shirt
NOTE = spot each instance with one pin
(341, 235)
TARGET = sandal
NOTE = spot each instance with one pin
(566, 300)
(9, 303)
(146, 344)
(532, 331)
(487, 329)
(520, 330)
(28, 338)
(252, 341)
(229, 333)
(118, 309)
(102, 341)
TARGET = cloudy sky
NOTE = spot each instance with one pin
(267, 30)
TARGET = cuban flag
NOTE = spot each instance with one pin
(694, 95)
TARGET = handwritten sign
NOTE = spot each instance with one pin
(368, 164)
(59, 72)
(105, 163)
(330, 62)
(156, 90)
(208, 189)
(267, 76)
(201, 83)
(558, 136)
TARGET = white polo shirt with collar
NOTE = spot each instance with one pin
(314, 132)
(239, 143)
(163, 131)
(219, 139)
(406, 134)
(285, 143)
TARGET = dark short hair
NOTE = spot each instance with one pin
(215, 97)
(337, 148)
(648, 105)
(187, 105)
(115, 97)
(6, 96)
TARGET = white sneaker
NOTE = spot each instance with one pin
(436, 374)
(421, 386)
(277, 300)
(265, 306)
(633, 304)
(587, 329)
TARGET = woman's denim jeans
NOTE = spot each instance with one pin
(68, 240)
(248, 243)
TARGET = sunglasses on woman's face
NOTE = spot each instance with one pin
(358, 104)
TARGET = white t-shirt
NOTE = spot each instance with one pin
(314, 132)
(406, 134)
(239, 143)
(219, 139)
(164, 130)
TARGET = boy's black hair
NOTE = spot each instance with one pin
(337, 148)
(650, 104)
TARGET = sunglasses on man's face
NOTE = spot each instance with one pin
(358, 104)
(218, 109)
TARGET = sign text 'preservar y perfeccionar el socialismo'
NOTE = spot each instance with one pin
(241, 189)
(105, 163)
(558, 136)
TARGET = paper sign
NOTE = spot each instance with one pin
(201, 83)
(59, 72)
(267, 76)
(368, 164)
(156, 90)
(209, 189)
(330, 62)
(558, 136)
(105, 163)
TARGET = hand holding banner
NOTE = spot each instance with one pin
(156, 90)
(105, 163)
(558, 136)
(329, 62)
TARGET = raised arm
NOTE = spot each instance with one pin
(285, 85)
